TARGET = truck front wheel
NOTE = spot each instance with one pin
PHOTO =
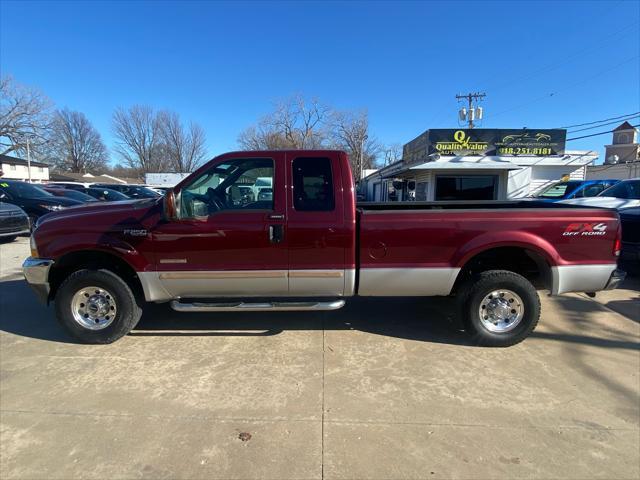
(500, 308)
(96, 306)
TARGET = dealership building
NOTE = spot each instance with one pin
(477, 164)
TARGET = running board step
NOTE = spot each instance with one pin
(256, 307)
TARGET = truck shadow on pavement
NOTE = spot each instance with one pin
(412, 318)
(421, 319)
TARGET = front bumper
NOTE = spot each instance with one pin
(14, 233)
(36, 271)
(11, 226)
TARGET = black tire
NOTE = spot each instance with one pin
(128, 311)
(7, 239)
(472, 293)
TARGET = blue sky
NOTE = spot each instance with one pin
(542, 64)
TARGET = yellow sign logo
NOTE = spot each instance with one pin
(462, 143)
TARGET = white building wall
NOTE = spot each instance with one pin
(518, 183)
(164, 179)
(534, 174)
(21, 172)
(621, 171)
(544, 175)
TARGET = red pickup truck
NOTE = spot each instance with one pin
(280, 230)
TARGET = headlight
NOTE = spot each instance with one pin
(34, 248)
(52, 208)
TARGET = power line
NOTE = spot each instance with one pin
(564, 60)
(596, 134)
(604, 124)
(603, 120)
(549, 95)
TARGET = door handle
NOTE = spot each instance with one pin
(276, 233)
(276, 216)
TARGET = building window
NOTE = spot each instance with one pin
(13, 166)
(312, 185)
(468, 187)
(41, 169)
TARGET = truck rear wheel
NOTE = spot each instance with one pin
(500, 308)
(96, 306)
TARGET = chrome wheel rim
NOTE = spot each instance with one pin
(501, 311)
(93, 308)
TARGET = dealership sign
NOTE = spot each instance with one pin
(485, 141)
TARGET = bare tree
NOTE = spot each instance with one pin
(73, 144)
(24, 114)
(350, 132)
(295, 123)
(392, 153)
(138, 138)
(185, 149)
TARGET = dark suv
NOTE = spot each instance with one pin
(32, 199)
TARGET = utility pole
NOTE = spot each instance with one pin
(29, 159)
(472, 112)
(364, 139)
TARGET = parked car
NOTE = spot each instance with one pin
(32, 199)
(131, 191)
(624, 194)
(68, 193)
(630, 253)
(69, 185)
(309, 247)
(574, 189)
(13, 222)
(158, 190)
(105, 194)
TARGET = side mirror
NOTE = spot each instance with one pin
(169, 204)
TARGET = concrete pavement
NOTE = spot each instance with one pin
(381, 389)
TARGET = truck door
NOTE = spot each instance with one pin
(229, 238)
(317, 234)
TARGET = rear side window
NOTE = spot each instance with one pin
(312, 185)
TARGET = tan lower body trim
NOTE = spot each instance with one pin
(221, 275)
(168, 285)
(316, 274)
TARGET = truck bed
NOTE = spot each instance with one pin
(465, 205)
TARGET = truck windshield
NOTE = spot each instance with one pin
(559, 190)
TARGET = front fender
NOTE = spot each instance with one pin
(60, 245)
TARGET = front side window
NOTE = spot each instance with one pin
(240, 184)
(312, 185)
(629, 189)
(471, 187)
(591, 190)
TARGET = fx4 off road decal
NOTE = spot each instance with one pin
(585, 229)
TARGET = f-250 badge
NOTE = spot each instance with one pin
(585, 229)
(135, 232)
